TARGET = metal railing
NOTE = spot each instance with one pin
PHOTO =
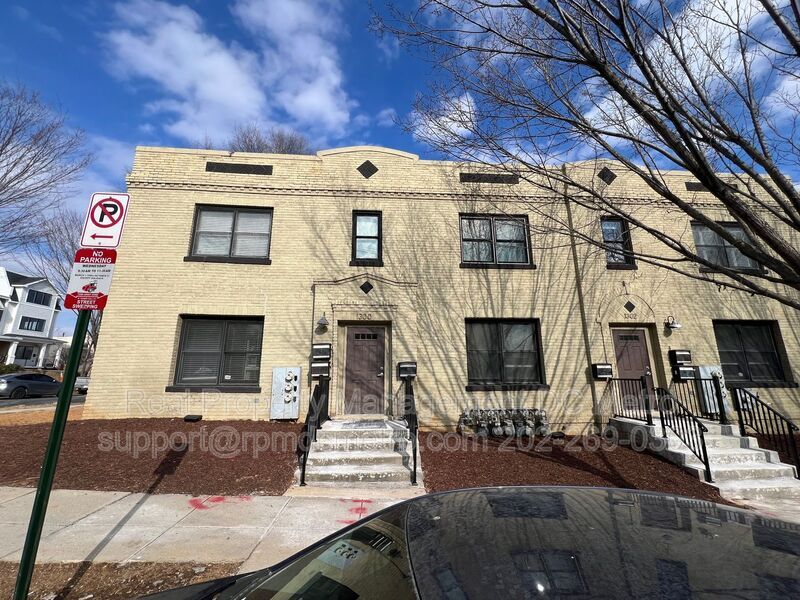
(410, 417)
(317, 415)
(778, 431)
(675, 415)
(702, 397)
(631, 399)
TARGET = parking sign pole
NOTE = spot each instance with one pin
(51, 458)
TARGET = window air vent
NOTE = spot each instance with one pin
(695, 186)
(509, 178)
(239, 168)
(607, 175)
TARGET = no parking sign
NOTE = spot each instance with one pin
(105, 220)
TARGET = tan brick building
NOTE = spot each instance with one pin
(229, 263)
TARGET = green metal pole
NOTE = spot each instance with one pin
(51, 458)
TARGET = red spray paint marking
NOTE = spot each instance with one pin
(360, 511)
(212, 501)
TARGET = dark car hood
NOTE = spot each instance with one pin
(559, 541)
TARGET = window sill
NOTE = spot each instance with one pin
(366, 263)
(464, 265)
(228, 259)
(505, 387)
(222, 389)
(762, 384)
(621, 267)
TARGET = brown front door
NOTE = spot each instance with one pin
(364, 366)
(630, 347)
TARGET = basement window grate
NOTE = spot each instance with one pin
(509, 178)
(238, 168)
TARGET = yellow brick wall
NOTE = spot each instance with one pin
(421, 290)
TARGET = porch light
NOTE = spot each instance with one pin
(323, 322)
(671, 323)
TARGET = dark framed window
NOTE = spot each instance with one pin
(748, 351)
(367, 239)
(37, 297)
(24, 353)
(617, 242)
(495, 241)
(31, 324)
(504, 354)
(551, 572)
(231, 234)
(219, 352)
(718, 251)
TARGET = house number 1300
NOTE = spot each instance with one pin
(364, 316)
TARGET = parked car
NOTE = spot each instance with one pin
(21, 385)
(531, 542)
(82, 385)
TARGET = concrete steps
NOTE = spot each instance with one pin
(361, 452)
(739, 468)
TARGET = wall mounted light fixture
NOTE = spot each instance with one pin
(671, 323)
(323, 322)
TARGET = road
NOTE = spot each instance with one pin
(6, 403)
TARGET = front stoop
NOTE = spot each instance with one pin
(368, 452)
(739, 468)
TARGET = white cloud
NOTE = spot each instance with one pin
(112, 161)
(301, 63)
(446, 124)
(23, 14)
(387, 117)
(207, 85)
(389, 47)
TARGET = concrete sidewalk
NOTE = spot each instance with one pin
(122, 526)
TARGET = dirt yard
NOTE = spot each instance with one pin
(105, 581)
(579, 460)
(157, 456)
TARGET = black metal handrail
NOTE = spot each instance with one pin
(410, 417)
(675, 415)
(631, 399)
(702, 397)
(316, 416)
(775, 428)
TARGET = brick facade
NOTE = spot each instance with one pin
(421, 294)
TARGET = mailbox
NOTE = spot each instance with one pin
(602, 371)
(320, 369)
(683, 372)
(321, 352)
(679, 357)
(406, 370)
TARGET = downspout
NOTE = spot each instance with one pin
(581, 305)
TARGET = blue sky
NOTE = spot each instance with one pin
(164, 73)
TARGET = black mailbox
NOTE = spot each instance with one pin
(683, 372)
(679, 357)
(321, 352)
(602, 371)
(320, 369)
(406, 370)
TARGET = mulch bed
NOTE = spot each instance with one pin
(108, 581)
(575, 460)
(157, 456)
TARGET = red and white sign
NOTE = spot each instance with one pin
(104, 220)
(90, 279)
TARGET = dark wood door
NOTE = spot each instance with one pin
(630, 347)
(364, 370)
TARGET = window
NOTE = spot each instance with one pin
(717, 251)
(494, 241)
(748, 352)
(617, 242)
(231, 234)
(24, 353)
(550, 572)
(31, 324)
(503, 354)
(219, 352)
(367, 243)
(36, 297)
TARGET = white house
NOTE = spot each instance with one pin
(29, 307)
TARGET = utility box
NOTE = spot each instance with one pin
(683, 373)
(285, 392)
(679, 357)
(406, 370)
(321, 355)
(602, 371)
